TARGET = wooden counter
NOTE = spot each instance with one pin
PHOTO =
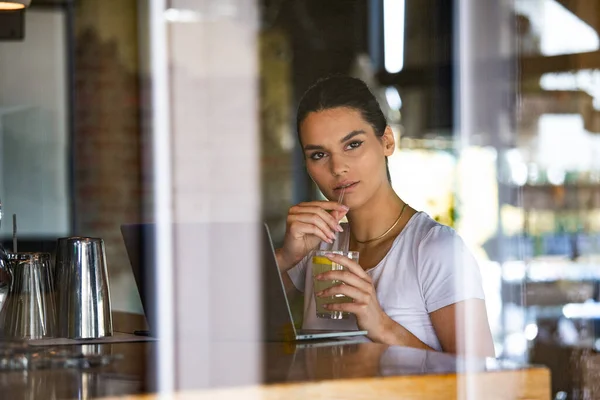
(311, 371)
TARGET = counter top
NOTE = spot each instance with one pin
(315, 370)
(338, 369)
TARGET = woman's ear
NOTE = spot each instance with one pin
(389, 142)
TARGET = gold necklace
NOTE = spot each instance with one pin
(386, 232)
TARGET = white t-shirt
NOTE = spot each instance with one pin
(428, 267)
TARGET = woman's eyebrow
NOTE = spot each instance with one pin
(313, 147)
(349, 136)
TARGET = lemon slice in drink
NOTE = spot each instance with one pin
(321, 260)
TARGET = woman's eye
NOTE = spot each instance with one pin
(355, 145)
(317, 156)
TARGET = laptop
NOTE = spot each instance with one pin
(278, 324)
(139, 242)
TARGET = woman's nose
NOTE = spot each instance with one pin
(338, 165)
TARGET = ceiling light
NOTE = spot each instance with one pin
(393, 35)
(14, 4)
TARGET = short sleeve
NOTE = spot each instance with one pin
(448, 272)
(298, 274)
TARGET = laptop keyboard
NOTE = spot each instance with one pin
(319, 331)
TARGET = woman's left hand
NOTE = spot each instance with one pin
(359, 286)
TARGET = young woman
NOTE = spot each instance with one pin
(415, 280)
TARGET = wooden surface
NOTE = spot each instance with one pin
(339, 371)
(489, 386)
(310, 370)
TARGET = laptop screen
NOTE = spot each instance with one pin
(277, 320)
(140, 244)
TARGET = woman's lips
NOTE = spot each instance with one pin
(346, 188)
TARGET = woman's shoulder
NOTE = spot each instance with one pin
(427, 236)
(420, 230)
(436, 243)
(424, 228)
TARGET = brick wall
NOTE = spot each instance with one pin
(276, 129)
(107, 143)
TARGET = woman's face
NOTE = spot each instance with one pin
(342, 152)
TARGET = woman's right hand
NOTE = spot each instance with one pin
(307, 225)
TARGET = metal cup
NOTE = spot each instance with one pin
(29, 310)
(83, 291)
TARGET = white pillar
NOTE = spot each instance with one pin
(207, 182)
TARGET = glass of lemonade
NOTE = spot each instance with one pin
(321, 264)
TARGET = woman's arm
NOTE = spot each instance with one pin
(307, 225)
(284, 266)
(449, 322)
(358, 285)
(395, 334)
(453, 292)
(450, 325)
(462, 328)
